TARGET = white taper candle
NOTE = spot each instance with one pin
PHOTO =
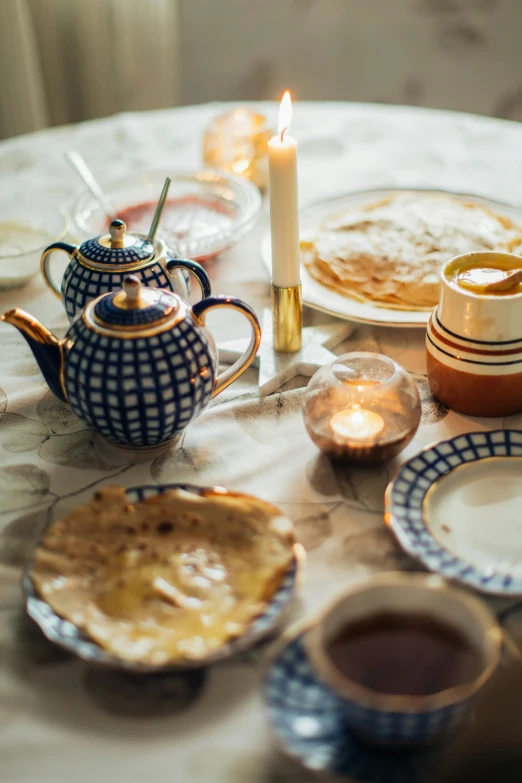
(284, 221)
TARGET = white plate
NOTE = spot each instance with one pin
(474, 512)
(319, 297)
(457, 507)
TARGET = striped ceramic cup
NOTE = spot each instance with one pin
(474, 342)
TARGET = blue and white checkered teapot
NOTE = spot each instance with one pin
(138, 364)
(100, 265)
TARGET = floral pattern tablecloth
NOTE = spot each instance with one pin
(62, 721)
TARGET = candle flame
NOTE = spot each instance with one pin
(357, 420)
(285, 114)
(356, 423)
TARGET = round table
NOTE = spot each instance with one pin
(61, 721)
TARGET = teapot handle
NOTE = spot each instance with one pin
(200, 309)
(45, 264)
(193, 267)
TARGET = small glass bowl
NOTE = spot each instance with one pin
(237, 142)
(363, 407)
(206, 211)
(27, 226)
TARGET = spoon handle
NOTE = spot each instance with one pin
(159, 209)
(506, 283)
(76, 161)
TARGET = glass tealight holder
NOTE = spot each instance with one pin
(363, 408)
(237, 142)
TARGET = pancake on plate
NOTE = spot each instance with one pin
(172, 578)
(390, 252)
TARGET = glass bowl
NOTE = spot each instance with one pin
(363, 407)
(206, 211)
(27, 226)
(238, 142)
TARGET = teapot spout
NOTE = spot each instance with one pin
(47, 349)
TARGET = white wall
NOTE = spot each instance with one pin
(455, 54)
(66, 60)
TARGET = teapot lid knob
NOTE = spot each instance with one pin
(117, 230)
(132, 287)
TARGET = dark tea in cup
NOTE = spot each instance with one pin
(404, 654)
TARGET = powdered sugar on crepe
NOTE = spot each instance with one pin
(390, 252)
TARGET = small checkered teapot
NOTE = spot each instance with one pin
(100, 264)
(138, 364)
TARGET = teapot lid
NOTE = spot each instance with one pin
(135, 310)
(116, 247)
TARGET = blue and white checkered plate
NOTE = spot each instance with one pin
(70, 638)
(306, 718)
(456, 507)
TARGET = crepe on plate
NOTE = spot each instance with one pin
(390, 252)
(172, 578)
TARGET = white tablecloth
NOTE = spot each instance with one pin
(61, 721)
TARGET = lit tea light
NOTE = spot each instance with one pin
(356, 424)
(242, 121)
(362, 408)
(241, 126)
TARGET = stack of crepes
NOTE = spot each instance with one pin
(390, 252)
(169, 579)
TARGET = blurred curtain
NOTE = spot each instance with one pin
(65, 61)
(23, 104)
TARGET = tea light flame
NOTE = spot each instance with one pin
(285, 114)
(240, 166)
(356, 423)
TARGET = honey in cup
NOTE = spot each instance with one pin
(474, 336)
(495, 278)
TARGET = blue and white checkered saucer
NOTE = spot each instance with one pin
(70, 638)
(455, 506)
(307, 720)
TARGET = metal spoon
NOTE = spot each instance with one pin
(159, 209)
(75, 160)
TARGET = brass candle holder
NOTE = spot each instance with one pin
(287, 318)
(362, 408)
(237, 142)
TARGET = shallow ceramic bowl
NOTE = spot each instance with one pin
(214, 209)
(66, 635)
(20, 255)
